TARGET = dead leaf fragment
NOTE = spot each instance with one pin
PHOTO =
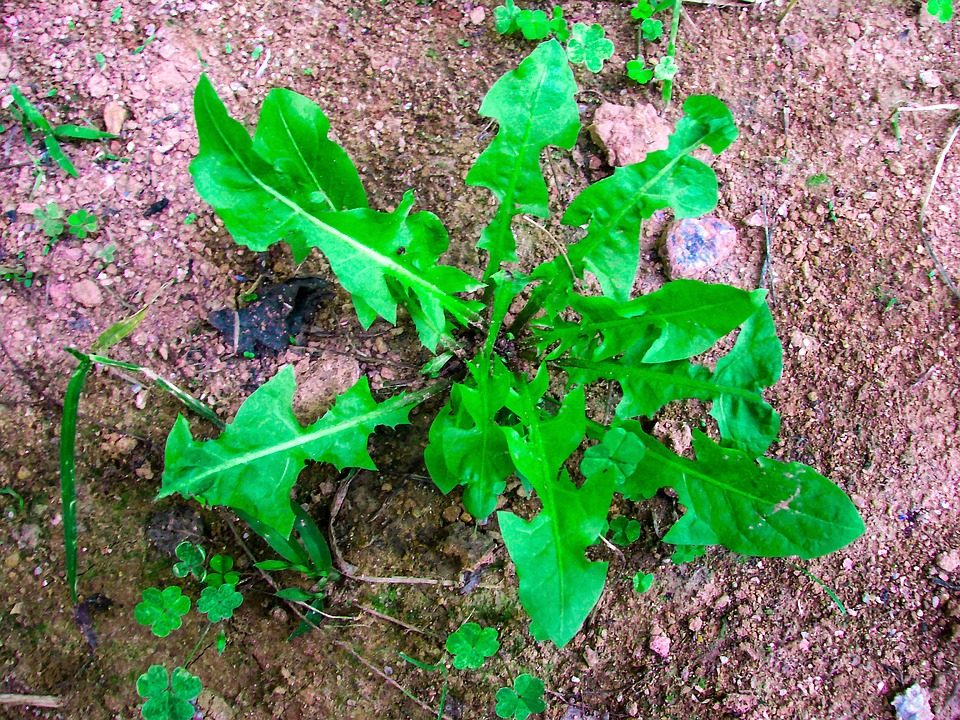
(627, 133)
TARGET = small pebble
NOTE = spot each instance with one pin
(695, 245)
(930, 79)
(796, 42)
(948, 561)
(114, 115)
(660, 645)
(98, 86)
(451, 513)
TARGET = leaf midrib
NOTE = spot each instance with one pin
(448, 302)
(627, 207)
(248, 457)
(303, 160)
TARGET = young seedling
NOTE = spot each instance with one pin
(650, 29)
(624, 531)
(504, 415)
(221, 572)
(521, 701)
(82, 223)
(17, 273)
(940, 9)
(642, 582)
(586, 45)
(50, 218)
(29, 116)
(192, 559)
(16, 496)
(106, 254)
(218, 603)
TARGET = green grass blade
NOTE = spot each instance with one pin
(30, 111)
(185, 397)
(68, 477)
(56, 152)
(833, 596)
(313, 541)
(119, 330)
(287, 549)
(78, 132)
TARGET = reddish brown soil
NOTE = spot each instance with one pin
(869, 395)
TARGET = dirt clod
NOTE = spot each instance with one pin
(948, 561)
(628, 132)
(87, 293)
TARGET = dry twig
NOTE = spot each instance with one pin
(389, 680)
(941, 270)
(44, 701)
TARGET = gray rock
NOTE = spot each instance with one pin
(695, 245)
(913, 704)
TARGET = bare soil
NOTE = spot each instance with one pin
(869, 395)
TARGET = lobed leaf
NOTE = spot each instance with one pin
(615, 207)
(521, 701)
(255, 461)
(290, 183)
(588, 46)
(940, 9)
(762, 508)
(558, 585)
(218, 603)
(535, 108)
(467, 445)
(682, 319)
(746, 420)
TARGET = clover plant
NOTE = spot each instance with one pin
(162, 610)
(471, 645)
(30, 116)
(521, 701)
(940, 9)
(82, 223)
(168, 696)
(221, 571)
(50, 218)
(586, 45)
(218, 603)
(516, 348)
(192, 558)
(624, 531)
